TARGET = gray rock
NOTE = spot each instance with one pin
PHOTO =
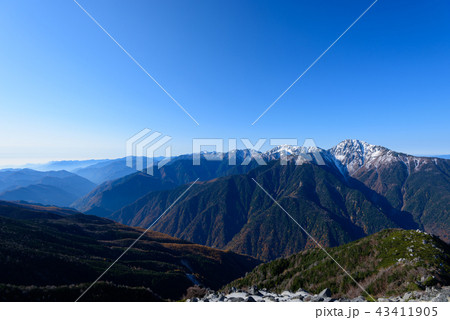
(270, 298)
(325, 293)
(344, 300)
(407, 296)
(298, 296)
(440, 298)
(302, 292)
(383, 300)
(317, 299)
(235, 299)
(435, 294)
(253, 290)
(359, 299)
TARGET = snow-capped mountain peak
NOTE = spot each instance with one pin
(353, 154)
(348, 156)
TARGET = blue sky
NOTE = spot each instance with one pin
(68, 92)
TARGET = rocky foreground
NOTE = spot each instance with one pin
(253, 294)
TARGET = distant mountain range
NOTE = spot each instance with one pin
(105, 171)
(59, 188)
(360, 190)
(114, 195)
(232, 212)
(97, 171)
(51, 254)
(60, 183)
(67, 165)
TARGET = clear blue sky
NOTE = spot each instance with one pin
(68, 92)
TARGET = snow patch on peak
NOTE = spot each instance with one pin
(292, 150)
(353, 154)
(300, 154)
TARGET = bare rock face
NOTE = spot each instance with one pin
(253, 294)
(326, 293)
